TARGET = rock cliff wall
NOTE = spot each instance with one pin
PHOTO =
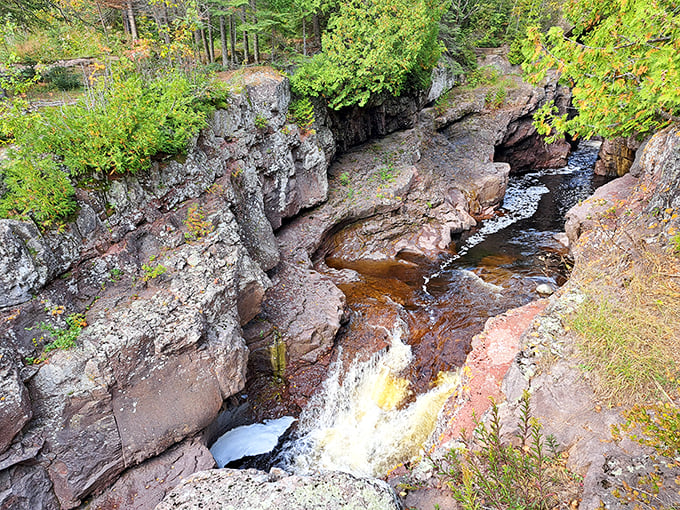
(168, 268)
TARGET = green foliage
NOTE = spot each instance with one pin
(63, 78)
(302, 112)
(153, 271)
(124, 121)
(495, 98)
(387, 173)
(675, 243)
(658, 425)
(345, 179)
(356, 65)
(485, 473)
(482, 76)
(261, 121)
(37, 188)
(623, 64)
(444, 102)
(65, 338)
(197, 224)
(115, 274)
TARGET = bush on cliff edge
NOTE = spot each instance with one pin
(124, 120)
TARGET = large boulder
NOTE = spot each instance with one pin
(595, 210)
(15, 405)
(143, 487)
(252, 489)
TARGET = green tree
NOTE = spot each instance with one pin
(621, 59)
(26, 12)
(373, 47)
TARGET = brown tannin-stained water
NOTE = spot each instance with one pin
(411, 324)
(491, 269)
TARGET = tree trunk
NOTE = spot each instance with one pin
(166, 20)
(131, 20)
(204, 40)
(223, 42)
(197, 44)
(272, 45)
(211, 39)
(101, 20)
(232, 39)
(304, 36)
(126, 21)
(256, 37)
(246, 49)
(317, 30)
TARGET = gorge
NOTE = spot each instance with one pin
(224, 287)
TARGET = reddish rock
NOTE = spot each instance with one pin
(493, 351)
(144, 486)
(616, 156)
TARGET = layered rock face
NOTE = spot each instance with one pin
(166, 267)
(170, 270)
(616, 156)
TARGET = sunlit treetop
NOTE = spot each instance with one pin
(622, 60)
(373, 47)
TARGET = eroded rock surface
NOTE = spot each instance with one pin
(165, 267)
(227, 489)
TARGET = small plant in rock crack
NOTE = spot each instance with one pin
(197, 224)
(344, 179)
(115, 274)
(261, 121)
(62, 338)
(485, 473)
(151, 272)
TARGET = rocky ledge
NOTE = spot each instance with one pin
(181, 277)
(533, 349)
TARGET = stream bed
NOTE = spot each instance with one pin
(398, 358)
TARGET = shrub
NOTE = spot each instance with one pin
(197, 224)
(485, 473)
(355, 65)
(123, 122)
(302, 113)
(659, 427)
(63, 78)
(37, 188)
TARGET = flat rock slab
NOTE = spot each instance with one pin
(493, 351)
(230, 489)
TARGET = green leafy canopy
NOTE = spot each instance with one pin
(373, 47)
(622, 59)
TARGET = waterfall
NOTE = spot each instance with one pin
(360, 422)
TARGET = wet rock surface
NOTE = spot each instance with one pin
(169, 272)
(227, 488)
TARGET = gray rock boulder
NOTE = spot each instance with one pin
(15, 405)
(593, 211)
(228, 489)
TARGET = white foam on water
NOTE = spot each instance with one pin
(359, 424)
(255, 439)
